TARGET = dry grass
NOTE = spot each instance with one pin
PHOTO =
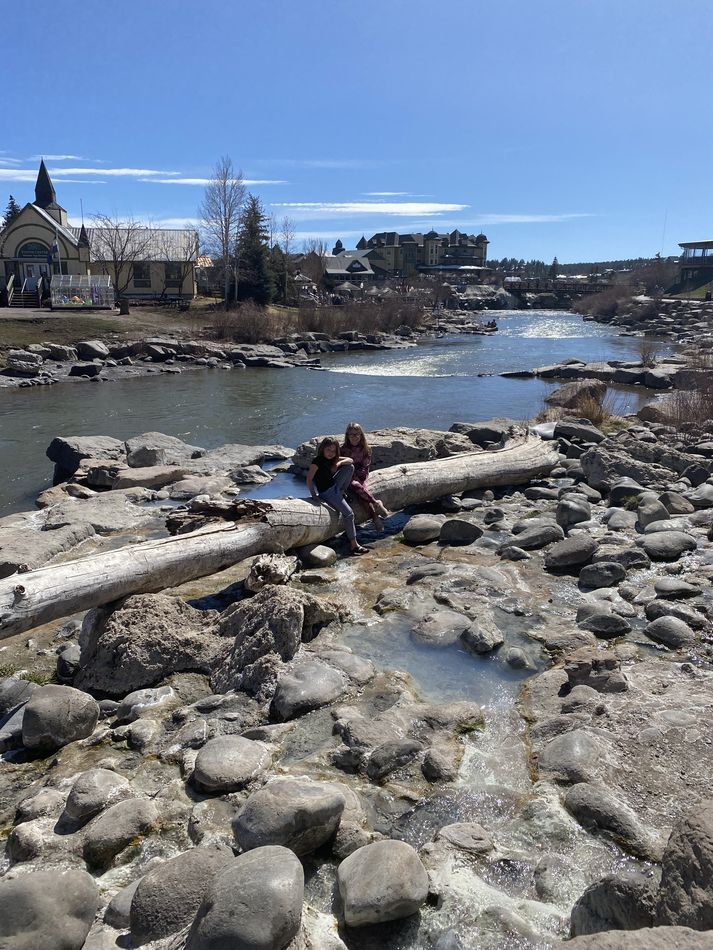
(605, 414)
(253, 324)
(648, 351)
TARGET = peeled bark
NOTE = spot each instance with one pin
(36, 597)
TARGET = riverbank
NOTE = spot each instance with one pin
(475, 708)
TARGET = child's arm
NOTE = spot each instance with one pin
(343, 461)
(310, 481)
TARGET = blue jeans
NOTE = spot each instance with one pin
(334, 497)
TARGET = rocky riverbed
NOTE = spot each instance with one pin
(43, 364)
(491, 731)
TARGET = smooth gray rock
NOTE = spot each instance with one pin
(308, 685)
(57, 715)
(538, 536)
(14, 692)
(675, 588)
(570, 553)
(620, 519)
(142, 702)
(93, 791)
(168, 897)
(670, 631)
(47, 802)
(580, 429)
(11, 729)
(420, 529)
(615, 903)
(397, 446)
(676, 504)
(651, 510)
(298, 814)
(686, 893)
(624, 489)
(571, 510)
(318, 555)
(466, 836)
(570, 757)
(601, 574)
(390, 756)
(47, 910)
(117, 828)
(118, 910)
(229, 763)
(440, 628)
(253, 903)
(597, 809)
(68, 662)
(696, 619)
(701, 497)
(380, 882)
(459, 531)
(668, 545)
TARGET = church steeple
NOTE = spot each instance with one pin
(44, 189)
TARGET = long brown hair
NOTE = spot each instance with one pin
(323, 445)
(363, 444)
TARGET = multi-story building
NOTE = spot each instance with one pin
(696, 263)
(408, 254)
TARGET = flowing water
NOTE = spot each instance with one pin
(432, 385)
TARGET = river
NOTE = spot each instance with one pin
(432, 385)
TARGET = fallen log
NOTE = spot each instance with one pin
(259, 526)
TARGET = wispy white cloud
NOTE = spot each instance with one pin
(67, 174)
(57, 158)
(388, 194)
(337, 209)
(207, 181)
(487, 219)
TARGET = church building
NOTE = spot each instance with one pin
(141, 262)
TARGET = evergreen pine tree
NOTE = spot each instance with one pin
(256, 280)
(11, 212)
(554, 269)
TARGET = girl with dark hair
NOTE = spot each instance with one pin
(356, 446)
(328, 478)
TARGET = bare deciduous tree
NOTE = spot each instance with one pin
(315, 251)
(286, 235)
(179, 255)
(119, 244)
(220, 213)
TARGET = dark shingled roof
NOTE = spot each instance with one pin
(44, 189)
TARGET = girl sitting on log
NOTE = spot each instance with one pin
(357, 447)
(328, 478)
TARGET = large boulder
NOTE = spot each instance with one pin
(168, 897)
(597, 809)
(671, 631)
(420, 529)
(668, 545)
(299, 814)
(686, 892)
(380, 882)
(149, 637)
(252, 903)
(580, 430)
(68, 451)
(155, 448)
(397, 446)
(57, 715)
(273, 623)
(47, 910)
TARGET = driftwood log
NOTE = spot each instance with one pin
(259, 526)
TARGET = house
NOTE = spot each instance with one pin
(141, 261)
(696, 263)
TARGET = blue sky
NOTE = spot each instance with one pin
(574, 128)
